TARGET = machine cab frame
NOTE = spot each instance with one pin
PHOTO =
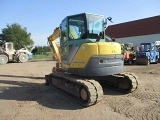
(79, 29)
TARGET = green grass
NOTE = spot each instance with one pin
(41, 56)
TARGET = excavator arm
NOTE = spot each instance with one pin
(53, 46)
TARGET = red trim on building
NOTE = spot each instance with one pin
(135, 28)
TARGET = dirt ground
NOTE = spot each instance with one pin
(23, 96)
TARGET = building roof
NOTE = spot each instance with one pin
(135, 28)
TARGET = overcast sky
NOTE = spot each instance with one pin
(42, 16)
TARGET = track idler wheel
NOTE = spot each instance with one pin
(84, 94)
(129, 83)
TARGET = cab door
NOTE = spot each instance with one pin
(64, 42)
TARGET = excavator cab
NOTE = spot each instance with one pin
(79, 29)
(83, 48)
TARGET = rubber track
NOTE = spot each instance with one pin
(94, 88)
(133, 78)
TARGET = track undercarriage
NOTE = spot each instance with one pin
(88, 91)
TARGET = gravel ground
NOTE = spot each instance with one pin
(23, 96)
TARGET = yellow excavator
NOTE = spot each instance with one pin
(85, 61)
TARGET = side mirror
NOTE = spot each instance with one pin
(109, 19)
(105, 21)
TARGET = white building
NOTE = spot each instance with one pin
(136, 32)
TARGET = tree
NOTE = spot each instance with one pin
(40, 50)
(34, 50)
(18, 35)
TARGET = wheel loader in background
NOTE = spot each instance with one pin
(85, 62)
(8, 53)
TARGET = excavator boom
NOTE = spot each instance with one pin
(53, 45)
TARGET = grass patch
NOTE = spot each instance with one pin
(41, 56)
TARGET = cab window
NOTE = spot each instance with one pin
(76, 27)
